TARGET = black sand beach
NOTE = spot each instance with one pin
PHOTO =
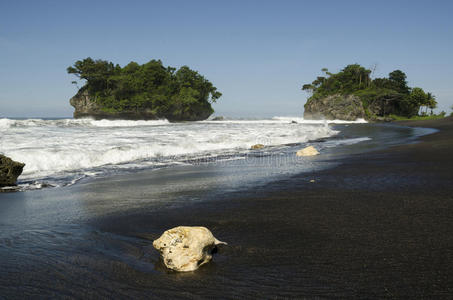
(379, 225)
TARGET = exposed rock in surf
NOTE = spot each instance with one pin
(335, 107)
(219, 118)
(257, 146)
(186, 248)
(9, 171)
(308, 151)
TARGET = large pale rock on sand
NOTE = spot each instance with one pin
(9, 171)
(186, 248)
(308, 151)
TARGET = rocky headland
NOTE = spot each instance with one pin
(335, 107)
(352, 94)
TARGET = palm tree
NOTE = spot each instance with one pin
(431, 102)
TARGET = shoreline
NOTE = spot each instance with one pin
(378, 225)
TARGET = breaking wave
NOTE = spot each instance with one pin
(10, 123)
(71, 147)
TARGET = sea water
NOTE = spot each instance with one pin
(60, 152)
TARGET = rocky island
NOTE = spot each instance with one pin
(352, 94)
(146, 92)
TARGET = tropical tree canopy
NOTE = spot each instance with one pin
(393, 93)
(151, 86)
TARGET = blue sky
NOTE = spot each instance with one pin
(257, 53)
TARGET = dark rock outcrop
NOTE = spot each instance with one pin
(86, 107)
(381, 107)
(341, 107)
(9, 171)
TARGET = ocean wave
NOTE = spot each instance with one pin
(283, 120)
(53, 150)
(10, 123)
(351, 141)
(303, 121)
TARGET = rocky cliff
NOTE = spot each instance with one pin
(9, 171)
(86, 107)
(341, 107)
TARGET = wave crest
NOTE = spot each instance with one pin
(303, 121)
(9, 123)
(67, 145)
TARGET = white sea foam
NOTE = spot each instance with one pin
(51, 148)
(286, 120)
(335, 143)
(8, 123)
(303, 121)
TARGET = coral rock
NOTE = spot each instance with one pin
(308, 151)
(186, 248)
(257, 146)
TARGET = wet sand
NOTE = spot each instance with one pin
(380, 225)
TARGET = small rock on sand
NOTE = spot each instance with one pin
(308, 151)
(257, 146)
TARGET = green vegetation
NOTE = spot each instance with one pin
(181, 94)
(381, 97)
(416, 118)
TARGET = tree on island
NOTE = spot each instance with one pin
(391, 95)
(431, 102)
(165, 91)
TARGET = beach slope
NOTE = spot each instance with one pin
(378, 225)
